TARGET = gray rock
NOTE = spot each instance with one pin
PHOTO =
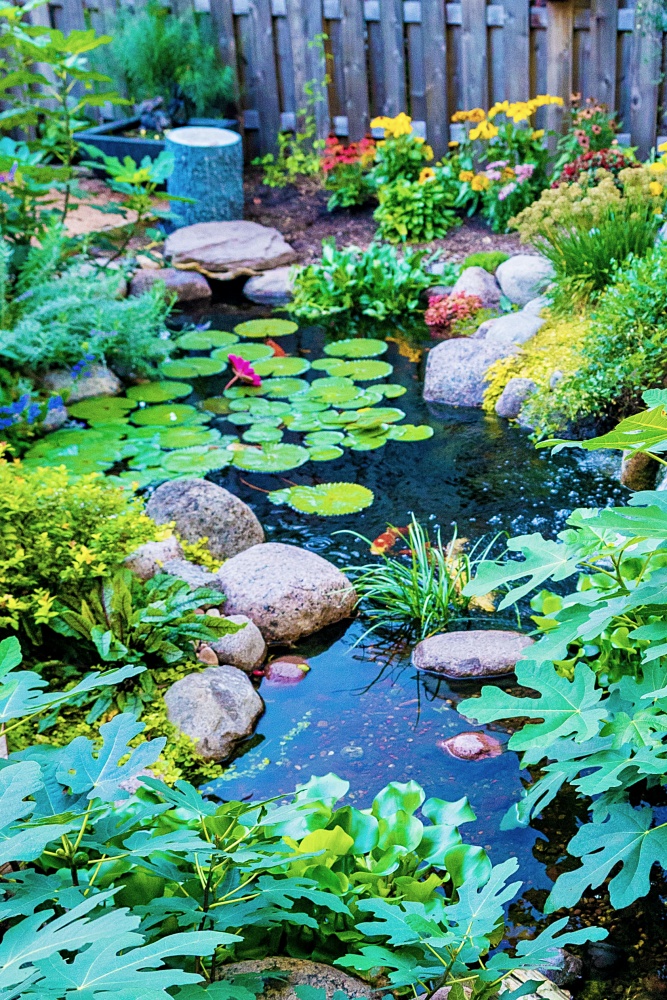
(478, 653)
(285, 590)
(456, 370)
(523, 277)
(271, 288)
(477, 281)
(513, 328)
(513, 396)
(472, 746)
(639, 471)
(189, 286)
(245, 649)
(201, 509)
(98, 380)
(555, 378)
(226, 250)
(216, 708)
(536, 305)
(302, 972)
(150, 558)
(194, 575)
(566, 970)
(55, 418)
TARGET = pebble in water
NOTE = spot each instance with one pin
(287, 670)
(472, 746)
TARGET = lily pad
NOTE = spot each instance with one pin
(302, 422)
(222, 338)
(146, 458)
(188, 437)
(136, 479)
(245, 419)
(356, 347)
(391, 390)
(331, 418)
(167, 415)
(365, 442)
(279, 388)
(329, 365)
(192, 367)
(266, 328)
(262, 433)
(271, 458)
(158, 392)
(325, 454)
(241, 391)
(196, 461)
(410, 432)
(369, 397)
(367, 419)
(281, 366)
(102, 409)
(215, 404)
(367, 371)
(333, 390)
(326, 499)
(204, 340)
(323, 438)
(301, 404)
(249, 352)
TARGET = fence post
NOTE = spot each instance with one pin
(434, 33)
(560, 39)
(516, 49)
(354, 68)
(393, 57)
(222, 18)
(308, 60)
(645, 74)
(604, 31)
(262, 70)
(474, 61)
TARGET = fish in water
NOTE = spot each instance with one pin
(386, 541)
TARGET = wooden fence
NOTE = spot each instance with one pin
(429, 58)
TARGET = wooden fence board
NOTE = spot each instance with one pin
(305, 19)
(262, 78)
(645, 75)
(417, 78)
(603, 32)
(222, 20)
(560, 28)
(474, 62)
(354, 68)
(516, 42)
(393, 56)
(435, 73)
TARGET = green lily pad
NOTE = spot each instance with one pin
(222, 338)
(333, 390)
(369, 397)
(246, 419)
(262, 433)
(196, 461)
(269, 407)
(240, 391)
(158, 392)
(365, 442)
(146, 458)
(136, 479)
(323, 438)
(327, 499)
(266, 328)
(102, 409)
(279, 388)
(367, 371)
(188, 437)
(249, 352)
(325, 454)
(356, 347)
(271, 458)
(301, 404)
(302, 422)
(329, 365)
(192, 367)
(281, 366)
(215, 404)
(378, 415)
(391, 390)
(331, 418)
(167, 415)
(204, 340)
(410, 432)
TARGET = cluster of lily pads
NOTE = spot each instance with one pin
(152, 437)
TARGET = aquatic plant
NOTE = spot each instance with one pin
(326, 499)
(421, 588)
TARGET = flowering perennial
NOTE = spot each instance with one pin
(444, 310)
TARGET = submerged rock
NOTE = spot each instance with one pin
(201, 509)
(287, 670)
(270, 288)
(216, 708)
(188, 286)
(477, 281)
(301, 972)
(285, 590)
(473, 654)
(472, 746)
(513, 396)
(244, 649)
(228, 249)
(151, 557)
(523, 277)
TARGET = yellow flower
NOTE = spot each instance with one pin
(400, 125)
(466, 175)
(480, 182)
(662, 148)
(474, 116)
(453, 144)
(507, 174)
(657, 168)
(498, 107)
(485, 130)
(538, 133)
(427, 174)
(656, 188)
(428, 152)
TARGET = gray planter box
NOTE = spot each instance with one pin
(110, 140)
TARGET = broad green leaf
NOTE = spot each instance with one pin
(18, 781)
(327, 499)
(266, 328)
(544, 559)
(356, 347)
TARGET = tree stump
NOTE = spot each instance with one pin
(208, 167)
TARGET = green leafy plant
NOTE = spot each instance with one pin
(326, 499)
(401, 155)
(27, 205)
(592, 127)
(378, 283)
(490, 260)
(416, 211)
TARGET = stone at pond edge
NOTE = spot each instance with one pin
(150, 558)
(287, 591)
(302, 972)
(523, 277)
(287, 670)
(193, 574)
(201, 509)
(97, 380)
(513, 396)
(456, 371)
(472, 746)
(568, 969)
(228, 249)
(271, 288)
(189, 286)
(473, 654)
(639, 471)
(216, 708)
(477, 281)
(244, 649)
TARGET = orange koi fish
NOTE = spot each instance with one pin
(386, 541)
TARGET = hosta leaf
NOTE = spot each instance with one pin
(266, 328)
(102, 409)
(356, 347)
(280, 366)
(191, 367)
(566, 708)
(327, 499)
(167, 415)
(250, 352)
(410, 432)
(158, 392)
(271, 458)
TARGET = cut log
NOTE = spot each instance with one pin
(208, 167)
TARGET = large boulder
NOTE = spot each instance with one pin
(513, 328)
(456, 371)
(270, 288)
(513, 396)
(244, 649)
(216, 708)
(473, 654)
(200, 509)
(477, 281)
(225, 250)
(151, 557)
(97, 380)
(523, 277)
(301, 972)
(188, 286)
(285, 590)
(192, 573)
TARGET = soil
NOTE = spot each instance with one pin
(300, 213)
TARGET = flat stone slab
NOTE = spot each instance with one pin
(225, 250)
(470, 655)
(188, 286)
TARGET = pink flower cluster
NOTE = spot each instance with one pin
(444, 310)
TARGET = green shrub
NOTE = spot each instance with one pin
(490, 260)
(416, 211)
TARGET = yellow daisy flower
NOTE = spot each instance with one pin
(426, 174)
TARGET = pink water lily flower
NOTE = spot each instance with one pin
(243, 371)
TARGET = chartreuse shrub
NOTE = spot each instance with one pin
(599, 673)
(120, 895)
(490, 260)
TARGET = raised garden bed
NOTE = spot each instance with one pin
(110, 138)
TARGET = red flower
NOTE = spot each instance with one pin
(244, 371)
(444, 310)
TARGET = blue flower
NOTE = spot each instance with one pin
(55, 403)
(34, 411)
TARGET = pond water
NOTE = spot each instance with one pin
(362, 711)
